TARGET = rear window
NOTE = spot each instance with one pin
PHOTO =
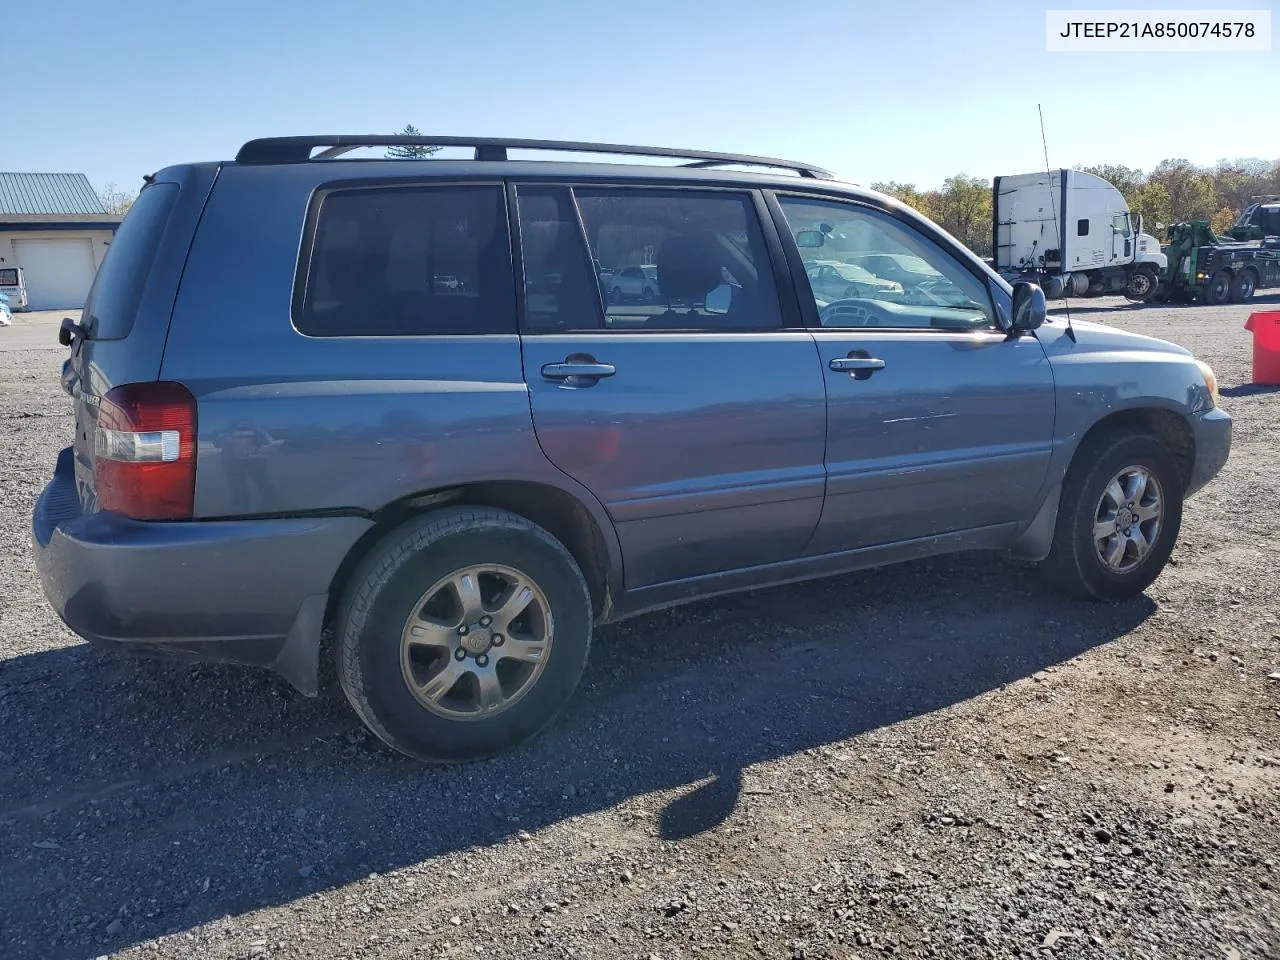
(408, 261)
(8, 277)
(113, 300)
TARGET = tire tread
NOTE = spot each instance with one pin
(399, 546)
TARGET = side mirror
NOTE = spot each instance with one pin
(720, 300)
(810, 239)
(1028, 307)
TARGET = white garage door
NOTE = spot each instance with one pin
(58, 272)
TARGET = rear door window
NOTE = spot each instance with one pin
(117, 288)
(408, 261)
(695, 260)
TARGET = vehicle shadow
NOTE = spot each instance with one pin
(140, 798)
(1249, 389)
(1083, 306)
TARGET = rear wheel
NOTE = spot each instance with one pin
(1119, 516)
(1243, 287)
(463, 633)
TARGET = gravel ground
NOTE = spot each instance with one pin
(940, 759)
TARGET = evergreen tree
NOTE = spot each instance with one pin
(410, 152)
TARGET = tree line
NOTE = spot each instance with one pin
(1173, 192)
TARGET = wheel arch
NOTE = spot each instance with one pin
(584, 529)
(1168, 426)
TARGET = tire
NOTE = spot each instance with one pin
(1243, 286)
(649, 294)
(615, 295)
(385, 598)
(1218, 290)
(1142, 285)
(1074, 564)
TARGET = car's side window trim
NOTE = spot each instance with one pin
(789, 299)
(585, 241)
(307, 249)
(789, 303)
(517, 252)
(809, 308)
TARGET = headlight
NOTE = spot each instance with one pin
(1210, 380)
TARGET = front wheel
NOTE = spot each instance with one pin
(1142, 285)
(463, 633)
(1119, 516)
(1218, 290)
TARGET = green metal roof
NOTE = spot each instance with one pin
(56, 194)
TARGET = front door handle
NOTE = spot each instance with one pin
(860, 367)
(577, 371)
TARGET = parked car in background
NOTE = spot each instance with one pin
(903, 268)
(459, 485)
(635, 283)
(921, 284)
(837, 280)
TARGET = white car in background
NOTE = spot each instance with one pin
(635, 283)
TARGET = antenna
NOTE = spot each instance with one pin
(1062, 253)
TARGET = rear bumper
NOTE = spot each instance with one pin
(1213, 446)
(243, 591)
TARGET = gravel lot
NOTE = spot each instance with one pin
(936, 760)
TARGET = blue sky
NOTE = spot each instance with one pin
(908, 90)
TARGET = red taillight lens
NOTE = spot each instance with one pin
(145, 451)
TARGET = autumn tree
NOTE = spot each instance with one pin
(117, 201)
(1175, 190)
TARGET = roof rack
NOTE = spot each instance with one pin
(300, 149)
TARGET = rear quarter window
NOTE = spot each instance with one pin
(117, 288)
(408, 261)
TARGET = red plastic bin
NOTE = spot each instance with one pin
(1265, 328)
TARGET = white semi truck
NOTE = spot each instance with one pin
(1073, 234)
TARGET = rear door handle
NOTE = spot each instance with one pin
(856, 364)
(577, 370)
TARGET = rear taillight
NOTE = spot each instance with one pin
(145, 451)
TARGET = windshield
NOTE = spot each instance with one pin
(1248, 213)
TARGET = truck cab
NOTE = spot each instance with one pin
(1260, 220)
(1073, 233)
(14, 286)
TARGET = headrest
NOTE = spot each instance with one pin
(688, 266)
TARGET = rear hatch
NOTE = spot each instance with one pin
(120, 336)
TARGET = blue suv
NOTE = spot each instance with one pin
(423, 422)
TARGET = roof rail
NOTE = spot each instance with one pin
(300, 149)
